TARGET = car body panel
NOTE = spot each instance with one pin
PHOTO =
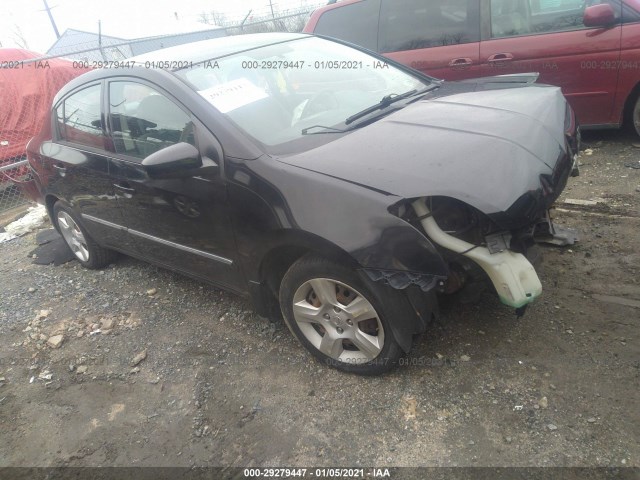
(82, 179)
(353, 219)
(451, 62)
(565, 59)
(424, 148)
(180, 223)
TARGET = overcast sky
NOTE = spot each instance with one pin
(120, 18)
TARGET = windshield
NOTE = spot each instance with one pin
(276, 93)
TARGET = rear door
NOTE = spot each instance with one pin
(181, 221)
(78, 160)
(438, 37)
(549, 37)
(629, 76)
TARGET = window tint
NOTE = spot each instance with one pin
(356, 23)
(413, 24)
(144, 121)
(78, 118)
(527, 17)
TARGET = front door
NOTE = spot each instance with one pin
(180, 221)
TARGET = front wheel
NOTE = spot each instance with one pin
(338, 318)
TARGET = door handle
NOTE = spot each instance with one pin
(124, 188)
(461, 62)
(500, 57)
(61, 170)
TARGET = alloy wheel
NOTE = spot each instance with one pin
(338, 320)
(73, 236)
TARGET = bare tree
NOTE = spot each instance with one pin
(213, 18)
(18, 38)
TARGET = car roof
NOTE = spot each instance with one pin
(215, 48)
(194, 52)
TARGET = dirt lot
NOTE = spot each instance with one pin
(222, 387)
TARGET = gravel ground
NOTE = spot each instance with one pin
(155, 369)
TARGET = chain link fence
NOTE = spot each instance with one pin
(28, 85)
(11, 195)
(29, 82)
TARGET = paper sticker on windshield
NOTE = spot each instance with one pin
(233, 95)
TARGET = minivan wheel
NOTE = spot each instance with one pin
(338, 318)
(86, 250)
(635, 116)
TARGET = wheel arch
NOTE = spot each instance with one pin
(49, 201)
(276, 261)
(268, 267)
(629, 103)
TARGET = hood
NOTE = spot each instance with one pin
(485, 148)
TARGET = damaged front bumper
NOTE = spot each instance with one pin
(512, 275)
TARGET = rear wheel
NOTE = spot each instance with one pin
(339, 318)
(86, 250)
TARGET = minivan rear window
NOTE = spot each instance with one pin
(356, 23)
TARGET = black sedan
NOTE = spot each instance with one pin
(332, 186)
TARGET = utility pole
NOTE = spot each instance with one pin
(273, 15)
(53, 22)
(104, 57)
(245, 19)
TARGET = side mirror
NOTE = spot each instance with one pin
(175, 161)
(599, 16)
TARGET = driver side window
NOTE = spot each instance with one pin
(511, 18)
(144, 121)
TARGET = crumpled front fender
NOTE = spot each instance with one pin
(353, 218)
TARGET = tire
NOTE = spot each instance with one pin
(86, 250)
(317, 298)
(634, 117)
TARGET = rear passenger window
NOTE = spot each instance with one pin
(526, 17)
(143, 121)
(78, 118)
(413, 24)
(356, 23)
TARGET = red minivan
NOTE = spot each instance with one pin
(590, 48)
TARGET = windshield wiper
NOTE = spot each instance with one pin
(387, 101)
(305, 131)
